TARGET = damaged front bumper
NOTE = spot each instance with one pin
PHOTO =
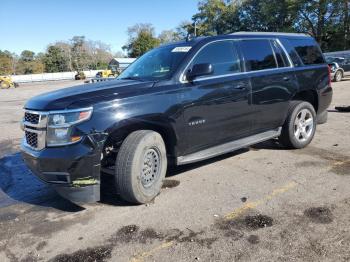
(73, 170)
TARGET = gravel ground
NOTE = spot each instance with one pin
(262, 203)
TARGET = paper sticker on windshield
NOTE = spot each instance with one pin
(184, 49)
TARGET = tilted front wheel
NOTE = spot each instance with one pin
(338, 76)
(141, 166)
(300, 126)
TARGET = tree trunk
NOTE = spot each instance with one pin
(346, 25)
(322, 10)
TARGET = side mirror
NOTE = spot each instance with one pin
(199, 70)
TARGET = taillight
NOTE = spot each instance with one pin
(329, 76)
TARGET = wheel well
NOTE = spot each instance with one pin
(116, 138)
(308, 96)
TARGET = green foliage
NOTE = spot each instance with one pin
(6, 63)
(326, 20)
(28, 63)
(144, 42)
(55, 60)
(141, 39)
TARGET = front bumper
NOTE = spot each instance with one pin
(62, 167)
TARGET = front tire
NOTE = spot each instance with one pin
(300, 126)
(4, 85)
(338, 76)
(141, 166)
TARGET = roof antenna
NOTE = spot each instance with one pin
(190, 37)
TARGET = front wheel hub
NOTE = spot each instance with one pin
(151, 167)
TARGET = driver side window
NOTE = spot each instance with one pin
(222, 55)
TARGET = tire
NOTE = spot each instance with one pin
(4, 85)
(141, 166)
(322, 118)
(298, 131)
(338, 76)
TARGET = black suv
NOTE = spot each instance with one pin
(179, 103)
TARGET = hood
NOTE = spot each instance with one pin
(64, 98)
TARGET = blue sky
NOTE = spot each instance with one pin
(33, 24)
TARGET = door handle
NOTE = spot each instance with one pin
(286, 78)
(240, 86)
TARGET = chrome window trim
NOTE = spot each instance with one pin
(285, 52)
(241, 73)
(182, 75)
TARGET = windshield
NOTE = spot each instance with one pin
(157, 64)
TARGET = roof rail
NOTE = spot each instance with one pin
(269, 33)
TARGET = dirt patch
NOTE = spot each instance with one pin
(340, 164)
(190, 237)
(341, 168)
(132, 233)
(41, 245)
(148, 235)
(168, 183)
(258, 221)
(88, 255)
(125, 234)
(322, 153)
(235, 228)
(320, 215)
(253, 239)
(309, 164)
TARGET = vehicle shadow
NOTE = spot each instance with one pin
(267, 145)
(19, 185)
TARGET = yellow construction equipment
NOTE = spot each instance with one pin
(6, 82)
(107, 73)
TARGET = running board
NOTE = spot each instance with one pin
(228, 147)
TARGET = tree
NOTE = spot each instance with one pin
(6, 63)
(210, 17)
(141, 39)
(318, 17)
(168, 36)
(27, 56)
(99, 54)
(55, 60)
(326, 20)
(80, 57)
(28, 63)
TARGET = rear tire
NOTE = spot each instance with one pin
(300, 126)
(141, 166)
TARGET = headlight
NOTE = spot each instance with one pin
(59, 130)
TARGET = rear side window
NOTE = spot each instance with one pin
(222, 55)
(280, 55)
(308, 51)
(258, 54)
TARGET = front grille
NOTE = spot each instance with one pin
(31, 118)
(31, 139)
(34, 125)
